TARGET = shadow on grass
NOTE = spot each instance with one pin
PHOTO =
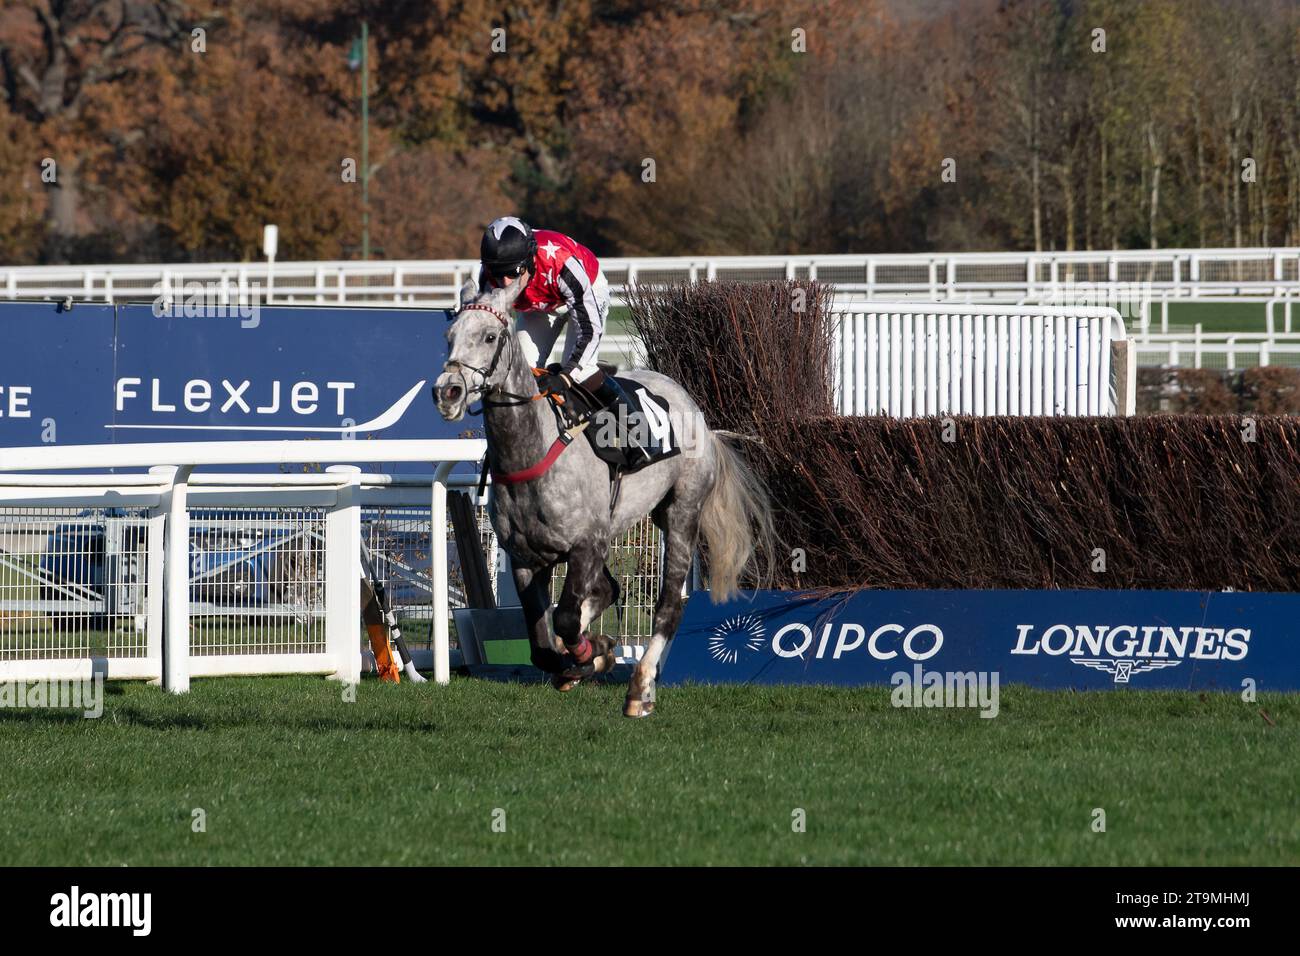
(41, 715)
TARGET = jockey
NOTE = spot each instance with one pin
(555, 271)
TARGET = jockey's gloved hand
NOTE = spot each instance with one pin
(554, 379)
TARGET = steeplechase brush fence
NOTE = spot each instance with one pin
(1150, 502)
(1083, 499)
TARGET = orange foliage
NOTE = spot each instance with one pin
(759, 145)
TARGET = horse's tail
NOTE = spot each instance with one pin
(736, 523)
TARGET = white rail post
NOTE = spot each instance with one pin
(343, 576)
(156, 573)
(176, 581)
(438, 558)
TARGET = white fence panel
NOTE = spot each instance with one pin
(164, 632)
(909, 359)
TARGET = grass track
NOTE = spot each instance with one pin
(290, 774)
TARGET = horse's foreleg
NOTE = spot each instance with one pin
(681, 534)
(534, 587)
(586, 594)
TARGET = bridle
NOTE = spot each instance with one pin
(486, 373)
(483, 373)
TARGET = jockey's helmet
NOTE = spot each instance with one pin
(508, 247)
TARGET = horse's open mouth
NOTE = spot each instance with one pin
(449, 395)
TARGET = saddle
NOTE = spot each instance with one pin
(627, 425)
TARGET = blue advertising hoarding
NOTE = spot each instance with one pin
(1184, 640)
(98, 374)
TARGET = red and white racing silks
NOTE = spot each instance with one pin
(565, 273)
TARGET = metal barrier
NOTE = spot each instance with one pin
(917, 358)
(315, 526)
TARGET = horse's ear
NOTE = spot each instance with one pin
(503, 297)
(467, 292)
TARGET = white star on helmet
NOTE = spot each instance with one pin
(499, 226)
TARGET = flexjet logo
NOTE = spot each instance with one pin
(1129, 650)
(246, 398)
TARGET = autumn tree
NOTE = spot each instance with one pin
(54, 56)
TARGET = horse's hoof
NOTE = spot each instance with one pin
(603, 659)
(563, 683)
(638, 708)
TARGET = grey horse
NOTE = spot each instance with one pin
(563, 514)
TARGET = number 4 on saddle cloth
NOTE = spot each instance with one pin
(627, 424)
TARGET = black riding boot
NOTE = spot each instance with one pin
(608, 391)
(608, 394)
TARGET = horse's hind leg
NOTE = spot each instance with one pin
(681, 526)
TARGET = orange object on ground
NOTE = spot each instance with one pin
(389, 672)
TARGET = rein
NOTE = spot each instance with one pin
(562, 441)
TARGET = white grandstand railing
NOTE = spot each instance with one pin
(1190, 272)
(909, 358)
(162, 499)
(1227, 351)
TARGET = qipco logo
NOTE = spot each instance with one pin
(884, 643)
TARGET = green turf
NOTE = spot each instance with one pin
(288, 773)
(1221, 317)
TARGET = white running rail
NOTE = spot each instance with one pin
(436, 282)
(153, 516)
